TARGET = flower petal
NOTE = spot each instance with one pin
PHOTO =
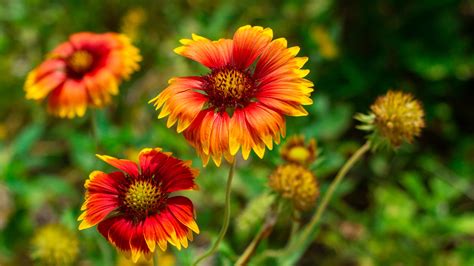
(68, 100)
(154, 233)
(249, 43)
(100, 85)
(212, 54)
(38, 88)
(219, 138)
(97, 207)
(177, 175)
(240, 134)
(264, 123)
(127, 166)
(118, 230)
(183, 210)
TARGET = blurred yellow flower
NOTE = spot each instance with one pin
(327, 48)
(296, 151)
(398, 117)
(131, 153)
(54, 244)
(296, 183)
(394, 118)
(131, 22)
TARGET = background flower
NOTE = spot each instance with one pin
(297, 184)
(86, 70)
(54, 244)
(395, 117)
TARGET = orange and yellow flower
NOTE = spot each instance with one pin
(84, 71)
(254, 82)
(133, 207)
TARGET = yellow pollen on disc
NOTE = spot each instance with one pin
(142, 196)
(80, 61)
(231, 83)
(299, 154)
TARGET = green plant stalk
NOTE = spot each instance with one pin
(301, 243)
(94, 128)
(155, 257)
(106, 252)
(264, 232)
(225, 223)
(295, 225)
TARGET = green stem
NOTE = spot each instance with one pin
(305, 238)
(94, 128)
(264, 232)
(155, 257)
(295, 225)
(225, 223)
(106, 252)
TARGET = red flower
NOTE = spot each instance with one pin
(253, 84)
(86, 70)
(133, 207)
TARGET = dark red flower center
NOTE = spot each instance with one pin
(80, 62)
(143, 197)
(229, 88)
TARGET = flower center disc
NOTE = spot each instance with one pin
(143, 197)
(80, 62)
(299, 154)
(229, 87)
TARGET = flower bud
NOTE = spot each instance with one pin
(296, 183)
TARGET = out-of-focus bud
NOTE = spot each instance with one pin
(394, 118)
(297, 184)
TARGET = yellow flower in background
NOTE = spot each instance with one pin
(296, 183)
(55, 244)
(327, 48)
(296, 151)
(131, 22)
(398, 116)
(131, 153)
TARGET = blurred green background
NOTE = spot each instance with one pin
(412, 207)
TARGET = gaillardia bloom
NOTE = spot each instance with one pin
(296, 151)
(133, 207)
(253, 84)
(84, 71)
(296, 183)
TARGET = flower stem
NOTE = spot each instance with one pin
(155, 258)
(264, 232)
(295, 225)
(302, 242)
(94, 129)
(225, 223)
